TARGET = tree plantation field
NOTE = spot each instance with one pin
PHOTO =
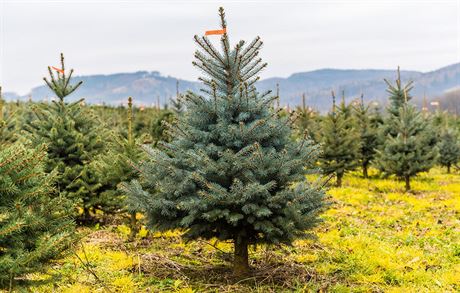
(225, 190)
(374, 238)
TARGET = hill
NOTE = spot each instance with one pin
(147, 87)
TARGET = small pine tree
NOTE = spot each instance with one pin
(231, 170)
(158, 129)
(368, 135)
(73, 136)
(177, 103)
(340, 144)
(449, 149)
(35, 222)
(408, 146)
(8, 123)
(117, 166)
(306, 120)
(376, 118)
(347, 111)
(399, 94)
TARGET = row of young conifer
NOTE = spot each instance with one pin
(399, 140)
(226, 165)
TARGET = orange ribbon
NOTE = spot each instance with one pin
(57, 69)
(216, 32)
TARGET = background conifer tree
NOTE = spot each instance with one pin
(73, 137)
(8, 123)
(176, 103)
(35, 222)
(399, 94)
(307, 120)
(231, 170)
(368, 135)
(408, 144)
(158, 129)
(347, 111)
(340, 144)
(449, 148)
(117, 166)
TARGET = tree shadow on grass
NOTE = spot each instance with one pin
(269, 275)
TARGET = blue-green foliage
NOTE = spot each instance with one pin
(408, 141)
(231, 170)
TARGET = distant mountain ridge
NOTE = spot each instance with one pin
(149, 87)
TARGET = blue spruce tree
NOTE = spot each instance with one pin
(231, 171)
(408, 143)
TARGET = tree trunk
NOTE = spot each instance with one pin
(241, 258)
(448, 168)
(339, 180)
(365, 175)
(407, 180)
(133, 226)
(85, 218)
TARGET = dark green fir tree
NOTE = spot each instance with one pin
(346, 110)
(117, 166)
(8, 123)
(368, 135)
(231, 170)
(340, 144)
(399, 94)
(376, 117)
(449, 148)
(158, 129)
(35, 221)
(307, 120)
(407, 148)
(73, 137)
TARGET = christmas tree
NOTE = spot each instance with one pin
(408, 146)
(307, 120)
(158, 130)
(35, 222)
(368, 135)
(177, 104)
(231, 170)
(347, 111)
(8, 125)
(340, 143)
(449, 148)
(399, 94)
(116, 166)
(73, 137)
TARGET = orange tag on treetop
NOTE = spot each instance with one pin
(216, 32)
(57, 69)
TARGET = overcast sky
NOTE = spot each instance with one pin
(103, 37)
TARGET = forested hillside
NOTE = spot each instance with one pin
(151, 88)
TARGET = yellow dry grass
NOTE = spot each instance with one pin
(375, 238)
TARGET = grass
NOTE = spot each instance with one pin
(375, 238)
